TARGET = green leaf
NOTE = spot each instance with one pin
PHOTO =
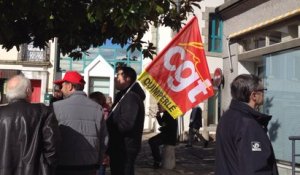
(85, 23)
(159, 9)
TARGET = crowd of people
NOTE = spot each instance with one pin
(80, 134)
(77, 134)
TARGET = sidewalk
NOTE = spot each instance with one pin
(195, 160)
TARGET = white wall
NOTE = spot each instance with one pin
(12, 55)
(53, 61)
(99, 68)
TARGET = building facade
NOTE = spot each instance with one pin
(262, 37)
(99, 72)
(36, 64)
(98, 66)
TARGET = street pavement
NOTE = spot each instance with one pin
(194, 160)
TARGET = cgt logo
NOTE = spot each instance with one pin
(255, 146)
(184, 82)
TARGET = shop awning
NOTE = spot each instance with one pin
(266, 23)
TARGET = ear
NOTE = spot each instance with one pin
(252, 100)
(28, 90)
(253, 96)
(128, 79)
(29, 94)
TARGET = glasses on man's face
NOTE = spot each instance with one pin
(261, 90)
(119, 73)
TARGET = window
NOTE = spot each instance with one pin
(99, 84)
(215, 33)
(281, 77)
(67, 63)
(114, 56)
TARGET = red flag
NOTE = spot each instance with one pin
(179, 77)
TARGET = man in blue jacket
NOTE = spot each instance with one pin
(243, 146)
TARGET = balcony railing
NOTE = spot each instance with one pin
(31, 54)
(35, 55)
(294, 155)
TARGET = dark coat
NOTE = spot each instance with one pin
(29, 139)
(243, 146)
(196, 118)
(125, 124)
(168, 128)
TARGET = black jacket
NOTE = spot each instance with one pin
(168, 128)
(243, 146)
(196, 118)
(28, 139)
(125, 124)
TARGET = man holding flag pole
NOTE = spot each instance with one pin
(178, 78)
(125, 123)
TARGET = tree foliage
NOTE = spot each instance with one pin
(87, 23)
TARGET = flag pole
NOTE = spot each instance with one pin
(181, 120)
(117, 104)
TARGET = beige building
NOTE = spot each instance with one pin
(263, 38)
(36, 64)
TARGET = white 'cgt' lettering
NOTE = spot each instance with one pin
(184, 81)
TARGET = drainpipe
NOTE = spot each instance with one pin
(229, 54)
(56, 58)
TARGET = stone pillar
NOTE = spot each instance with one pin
(168, 157)
(205, 131)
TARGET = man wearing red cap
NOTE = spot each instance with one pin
(81, 124)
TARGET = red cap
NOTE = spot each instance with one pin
(73, 77)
